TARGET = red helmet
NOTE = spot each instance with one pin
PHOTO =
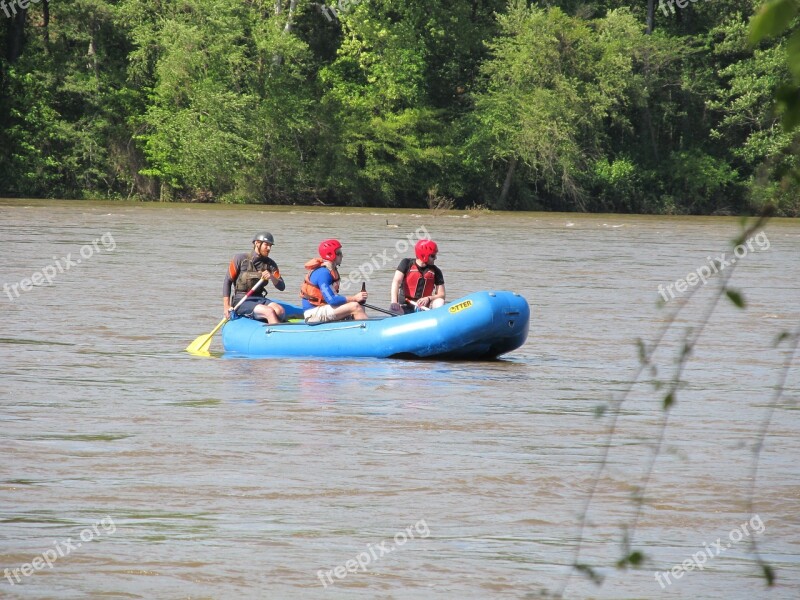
(424, 249)
(328, 248)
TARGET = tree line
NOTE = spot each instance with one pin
(664, 107)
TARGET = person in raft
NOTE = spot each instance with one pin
(320, 290)
(244, 272)
(418, 280)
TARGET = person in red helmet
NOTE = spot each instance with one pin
(244, 272)
(320, 290)
(419, 280)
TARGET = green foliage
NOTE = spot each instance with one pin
(228, 93)
(29, 168)
(590, 573)
(772, 18)
(634, 559)
(769, 574)
(60, 107)
(551, 83)
(507, 105)
(386, 144)
(701, 179)
(617, 183)
(735, 297)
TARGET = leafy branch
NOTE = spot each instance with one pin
(632, 557)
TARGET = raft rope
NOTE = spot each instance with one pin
(287, 330)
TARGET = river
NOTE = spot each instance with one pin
(134, 470)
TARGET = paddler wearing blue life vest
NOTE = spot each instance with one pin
(320, 289)
(419, 280)
(244, 271)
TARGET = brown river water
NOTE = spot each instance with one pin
(131, 469)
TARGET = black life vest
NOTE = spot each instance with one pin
(248, 275)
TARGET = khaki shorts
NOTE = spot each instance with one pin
(319, 314)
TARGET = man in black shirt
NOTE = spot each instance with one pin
(419, 284)
(244, 272)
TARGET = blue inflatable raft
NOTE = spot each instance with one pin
(481, 326)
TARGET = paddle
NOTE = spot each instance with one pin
(364, 303)
(202, 343)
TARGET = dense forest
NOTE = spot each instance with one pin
(663, 106)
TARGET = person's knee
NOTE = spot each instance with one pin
(437, 302)
(265, 312)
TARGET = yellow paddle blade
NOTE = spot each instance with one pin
(201, 344)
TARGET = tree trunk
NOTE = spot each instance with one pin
(16, 34)
(512, 166)
(46, 25)
(290, 16)
(91, 54)
(651, 16)
(647, 115)
(277, 59)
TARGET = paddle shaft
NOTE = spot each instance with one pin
(411, 302)
(248, 294)
(364, 303)
(383, 310)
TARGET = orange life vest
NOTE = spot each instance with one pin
(311, 292)
(416, 284)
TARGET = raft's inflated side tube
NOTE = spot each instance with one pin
(480, 326)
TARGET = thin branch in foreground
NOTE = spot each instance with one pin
(631, 557)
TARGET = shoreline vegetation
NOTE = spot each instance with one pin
(466, 105)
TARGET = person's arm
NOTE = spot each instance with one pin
(438, 291)
(227, 284)
(397, 281)
(274, 275)
(323, 279)
(277, 281)
(335, 299)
